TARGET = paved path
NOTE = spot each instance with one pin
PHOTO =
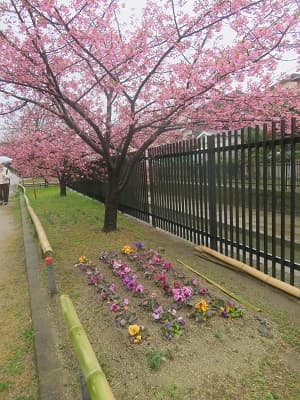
(49, 368)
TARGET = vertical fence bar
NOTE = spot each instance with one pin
(230, 169)
(173, 172)
(169, 190)
(147, 198)
(236, 193)
(175, 149)
(265, 196)
(293, 202)
(189, 190)
(159, 169)
(282, 200)
(211, 182)
(204, 163)
(193, 190)
(162, 190)
(243, 194)
(250, 195)
(225, 169)
(148, 186)
(152, 185)
(198, 192)
(185, 190)
(202, 189)
(274, 200)
(219, 196)
(257, 195)
(180, 186)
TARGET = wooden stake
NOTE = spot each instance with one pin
(238, 265)
(232, 295)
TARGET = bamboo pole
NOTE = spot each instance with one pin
(224, 290)
(44, 242)
(238, 265)
(97, 384)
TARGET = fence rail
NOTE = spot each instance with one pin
(238, 193)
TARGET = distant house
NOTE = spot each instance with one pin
(293, 81)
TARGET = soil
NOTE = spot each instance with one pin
(251, 358)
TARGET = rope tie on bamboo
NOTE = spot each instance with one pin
(93, 371)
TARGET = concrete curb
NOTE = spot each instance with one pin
(49, 368)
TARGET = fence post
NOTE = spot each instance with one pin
(151, 183)
(51, 278)
(148, 185)
(211, 182)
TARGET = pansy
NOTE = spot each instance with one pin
(114, 307)
(83, 260)
(137, 339)
(156, 260)
(103, 295)
(125, 302)
(201, 305)
(112, 287)
(157, 312)
(168, 265)
(182, 294)
(94, 280)
(139, 288)
(127, 249)
(133, 330)
(203, 290)
(195, 281)
(139, 245)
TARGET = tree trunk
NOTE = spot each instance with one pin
(111, 207)
(63, 188)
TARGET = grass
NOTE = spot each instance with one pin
(18, 378)
(74, 227)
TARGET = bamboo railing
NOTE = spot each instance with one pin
(95, 379)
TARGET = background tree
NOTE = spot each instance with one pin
(42, 146)
(122, 83)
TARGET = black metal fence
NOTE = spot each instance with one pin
(236, 192)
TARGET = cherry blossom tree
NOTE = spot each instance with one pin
(44, 147)
(122, 83)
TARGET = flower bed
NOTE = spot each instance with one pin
(153, 288)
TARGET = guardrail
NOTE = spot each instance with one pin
(44, 243)
(95, 379)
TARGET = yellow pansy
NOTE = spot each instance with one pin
(201, 305)
(128, 249)
(137, 339)
(229, 308)
(133, 330)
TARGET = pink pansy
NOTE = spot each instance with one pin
(195, 281)
(114, 307)
(112, 287)
(168, 265)
(125, 302)
(139, 288)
